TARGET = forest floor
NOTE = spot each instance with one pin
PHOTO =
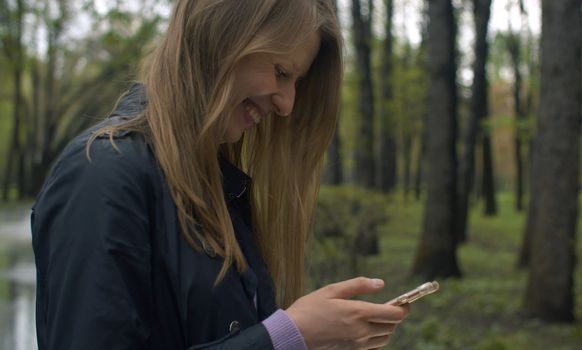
(483, 309)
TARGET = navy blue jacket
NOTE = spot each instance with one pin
(113, 270)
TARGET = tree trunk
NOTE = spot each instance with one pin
(49, 119)
(436, 254)
(479, 109)
(488, 174)
(15, 150)
(524, 257)
(419, 176)
(513, 47)
(333, 168)
(387, 151)
(407, 160)
(488, 188)
(522, 110)
(365, 168)
(35, 132)
(556, 161)
(524, 254)
(421, 57)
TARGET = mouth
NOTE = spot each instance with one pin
(252, 111)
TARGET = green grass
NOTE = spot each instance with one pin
(482, 310)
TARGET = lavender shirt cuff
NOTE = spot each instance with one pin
(283, 332)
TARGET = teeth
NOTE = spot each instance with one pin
(253, 112)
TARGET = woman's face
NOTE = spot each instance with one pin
(266, 83)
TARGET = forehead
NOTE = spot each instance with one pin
(303, 54)
(296, 60)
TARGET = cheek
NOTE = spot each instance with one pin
(259, 83)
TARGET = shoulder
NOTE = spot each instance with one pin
(123, 162)
(125, 149)
(106, 198)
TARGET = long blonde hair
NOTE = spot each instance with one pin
(189, 79)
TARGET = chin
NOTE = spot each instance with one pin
(232, 137)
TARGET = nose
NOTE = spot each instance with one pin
(284, 99)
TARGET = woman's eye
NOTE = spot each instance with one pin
(280, 72)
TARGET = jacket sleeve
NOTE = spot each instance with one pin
(91, 229)
(277, 331)
(253, 338)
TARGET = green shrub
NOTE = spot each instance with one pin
(345, 231)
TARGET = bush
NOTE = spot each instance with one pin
(345, 231)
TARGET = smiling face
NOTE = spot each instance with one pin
(265, 83)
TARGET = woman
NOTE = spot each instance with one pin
(149, 235)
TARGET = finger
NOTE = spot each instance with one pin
(378, 342)
(380, 329)
(379, 313)
(353, 287)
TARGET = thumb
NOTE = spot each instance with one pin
(352, 287)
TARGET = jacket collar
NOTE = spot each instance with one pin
(234, 181)
(132, 103)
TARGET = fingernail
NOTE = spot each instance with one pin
(378, 283)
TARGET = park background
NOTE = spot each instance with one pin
(456, 156)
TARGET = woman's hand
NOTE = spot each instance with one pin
(327, 320)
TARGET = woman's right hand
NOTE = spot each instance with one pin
(327, 319)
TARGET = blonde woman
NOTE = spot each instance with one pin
(148, 233)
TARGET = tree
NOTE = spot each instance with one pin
(418, 178)
(488, 168)
(520, 47)
(513, 42)
(522, 106)
(72, 84)
(11, 41)
(555, 165)
(334, 165)
(436, 253)
(387, 151)
(479, 109)
(410, 107)
(49, 119)
(362, 30)
(407, 102)
(490, 208)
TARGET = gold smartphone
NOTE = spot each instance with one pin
(415, 294)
